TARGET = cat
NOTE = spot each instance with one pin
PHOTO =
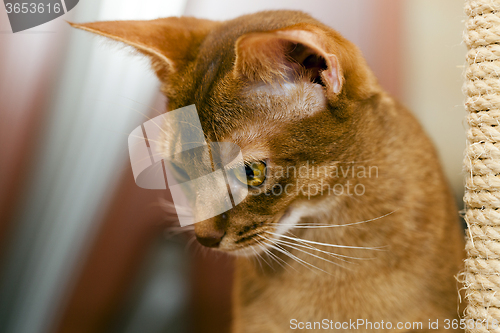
(348, 205)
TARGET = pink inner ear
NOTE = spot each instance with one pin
(308, 52)
(308, 60)
(284, 54)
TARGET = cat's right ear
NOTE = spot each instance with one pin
(304, 50)
(170, 42)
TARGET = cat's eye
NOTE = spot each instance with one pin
(255, 174)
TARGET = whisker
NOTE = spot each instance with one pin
(170, 218)
(277, 247)
(141, 137)
(275, 256)
(148, 106)
(182, 229)
(192, 125)
(180, 211)
(278, 260)
(302, 241)
(316, 256)
(264, 260)
(170, 205)
(326, 225)
(190, 242)
(133, 109)
(161, 142)
(174, 231)
(266, 251)
(177, 214)
(332, 254)
(258, 257)
(325, 244)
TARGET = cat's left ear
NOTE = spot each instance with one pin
(170, 42)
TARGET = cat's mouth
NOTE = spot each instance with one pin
(257, 242)
(265, 237)
(250, 240)
(252, 244)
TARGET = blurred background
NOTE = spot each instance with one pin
(82, 248)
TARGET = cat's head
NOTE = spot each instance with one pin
(283, 87)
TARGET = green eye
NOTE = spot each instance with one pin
(255, 174)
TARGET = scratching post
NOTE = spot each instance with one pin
(482, 165)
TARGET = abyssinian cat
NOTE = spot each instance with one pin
(348, 205)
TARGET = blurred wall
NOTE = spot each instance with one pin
(432, 66)
(90, 102)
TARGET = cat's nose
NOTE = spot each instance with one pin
(211, 235)
(211, 240)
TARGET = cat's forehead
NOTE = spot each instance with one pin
(285, 101)
(268, 109)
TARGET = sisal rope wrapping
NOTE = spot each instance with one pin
(482, 165)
